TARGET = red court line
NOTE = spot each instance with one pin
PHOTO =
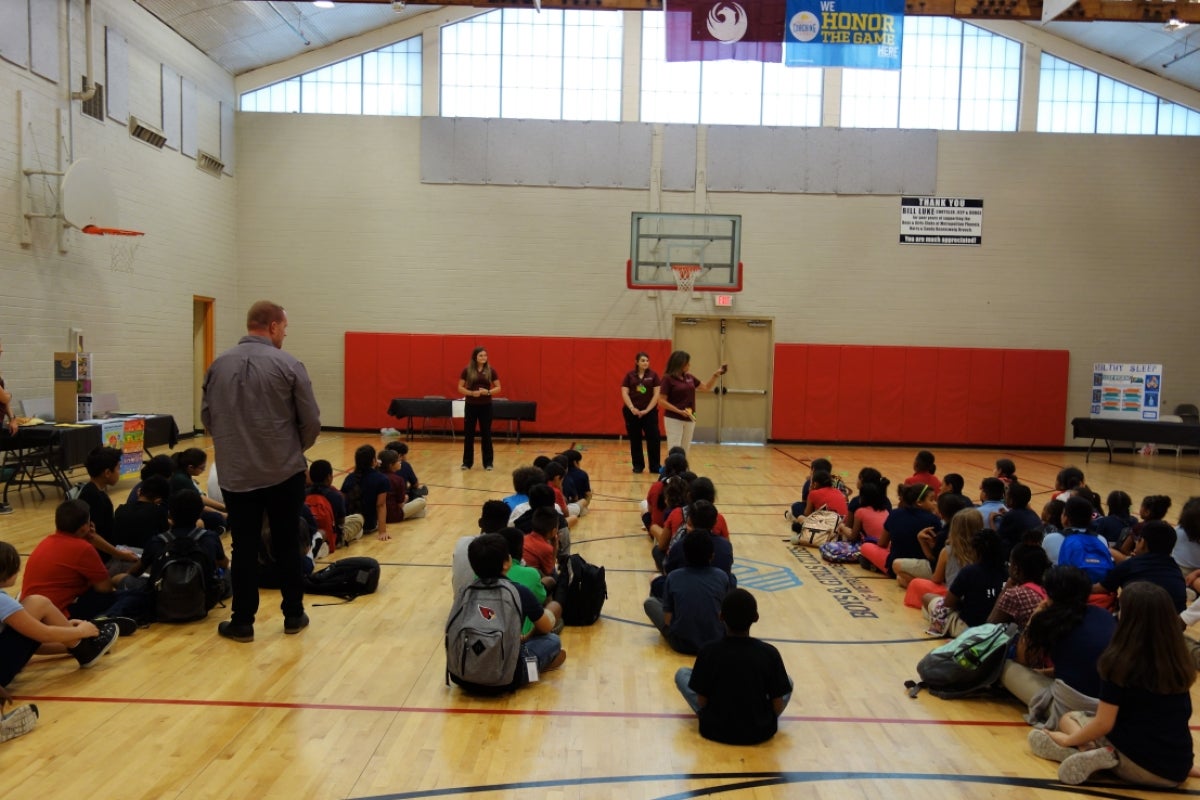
(491, 711)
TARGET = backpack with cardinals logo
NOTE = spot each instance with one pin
(483, 638)
(322, 512)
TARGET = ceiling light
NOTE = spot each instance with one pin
(323, 3)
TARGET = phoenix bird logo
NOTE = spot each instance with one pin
(727, 22)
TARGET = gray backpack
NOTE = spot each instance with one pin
(483, 637)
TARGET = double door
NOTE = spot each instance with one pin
(738, 410)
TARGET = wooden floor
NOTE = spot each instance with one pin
(356, 706)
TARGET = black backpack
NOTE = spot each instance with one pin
(184, 580)
(347, 578)
(586, 592)
(969, 664)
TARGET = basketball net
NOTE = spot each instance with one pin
(123, 245)
(685, 276)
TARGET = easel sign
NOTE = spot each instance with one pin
(1126, 391)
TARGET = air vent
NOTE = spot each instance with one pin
(146, 133)
(94, 108)
(209, 163)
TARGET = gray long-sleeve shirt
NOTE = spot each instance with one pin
(260, 410)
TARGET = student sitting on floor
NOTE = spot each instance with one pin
(65, 568)
(523, 479)
(190, 464)
(957, 553)
(415, 487)
(924, 468)
(530, 578)
(399, 505)
(104, 470)
(1116, 525)
(972, 595)
(991, 501)
(1079, 546)
(1154, 507)
(136, 523)
(1151, 562)
(1023, 592)
(541, 544)
(365, 490)
(1140, 727)
(689, 613)
(1019, 519)
(899, 540)
(320, 476)
(702, 516)
(654, 507)
(35, 626)
(868, 513)
(738, 686)
(1006, 471)
(493, 518)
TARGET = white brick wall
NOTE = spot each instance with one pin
(139, 324)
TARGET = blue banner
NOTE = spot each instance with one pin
(863, 34)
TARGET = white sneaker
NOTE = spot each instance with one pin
(1077, 768)
(18, 722)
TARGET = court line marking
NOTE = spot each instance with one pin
(751, 780)
(509, 712)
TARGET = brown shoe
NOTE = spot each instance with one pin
(557, 662)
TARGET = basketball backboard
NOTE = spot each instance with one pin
(87, 196)
(661, 242)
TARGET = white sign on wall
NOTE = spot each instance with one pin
(1126, 391)
(941, 221)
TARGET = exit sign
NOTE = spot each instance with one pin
(723, 300)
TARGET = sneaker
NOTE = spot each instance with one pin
(126, 625)
(320, 548)
(295, 624)
(557, 662)
(463, 466)
(5, 508)
(1045, 747)
(1078, 767)
(238, 633)
(88, 651)
(789, 516)
(488, 468)
(18, 722)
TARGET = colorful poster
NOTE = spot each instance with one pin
(1126, 391)
(710, 30)
(864, 34)
(112, 434)
(132, 444)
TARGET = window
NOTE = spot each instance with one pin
(1076, 100)
(386, 81)
(723, 92)
(519, 63)
(954, 77)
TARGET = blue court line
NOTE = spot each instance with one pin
(750, 780)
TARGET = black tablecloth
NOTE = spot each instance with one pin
(519, 410)
(72, 444)
(1135, 430)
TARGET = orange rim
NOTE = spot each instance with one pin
(96, 230)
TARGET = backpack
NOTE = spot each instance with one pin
(347, 578)
(839, 552)
(818, 528)
(322, 512)
(76, 490)
(483, 637)
(969, 664)
(586, 592)
(184, 579)
(1086, 551)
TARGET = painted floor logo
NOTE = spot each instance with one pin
(850, 590)
(763, 576)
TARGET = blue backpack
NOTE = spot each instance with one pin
(1087, 552)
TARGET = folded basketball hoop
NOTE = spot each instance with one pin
(123, 245)
(685, 276)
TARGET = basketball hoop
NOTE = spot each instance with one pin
(685, 276)
(123, 245)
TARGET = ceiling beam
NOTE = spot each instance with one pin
(1026, 10)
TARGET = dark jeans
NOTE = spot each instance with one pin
(281, 505)
(639, 428)
(120, 603)
(482, 414)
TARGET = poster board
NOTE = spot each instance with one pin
(1126, 391)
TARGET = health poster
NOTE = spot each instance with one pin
(133, 445)
(1126, 391)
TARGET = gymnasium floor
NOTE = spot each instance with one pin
(357, 707)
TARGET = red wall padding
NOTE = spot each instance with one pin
(576, 382)
(824, 393)
(935, 395)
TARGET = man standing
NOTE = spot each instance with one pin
(259, 408)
